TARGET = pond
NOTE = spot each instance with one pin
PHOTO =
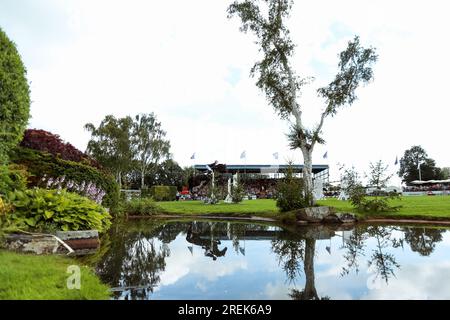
(157, 259)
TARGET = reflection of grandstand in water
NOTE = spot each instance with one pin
(228, 231)
(259, 180)
(224, 231)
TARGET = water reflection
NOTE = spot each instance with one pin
(423, 240)
(221, 260)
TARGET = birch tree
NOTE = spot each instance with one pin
(282, 86)
(148, 142)
(110, 145)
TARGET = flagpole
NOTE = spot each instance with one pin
(418, 167)
(420, 173)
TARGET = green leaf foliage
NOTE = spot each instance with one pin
(14, 97)
(380, 201)
(141, 207)
(39, 164)
(12, 177)
(291, 193)
(56, 209)
(237, 192)
(111, 145)
(163, 193)
(409, 166)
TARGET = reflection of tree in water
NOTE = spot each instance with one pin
(354, 247)
(134, 261)
(423, 240)
(134, 258)
(294, 251)
(290, 253)
(383, 262)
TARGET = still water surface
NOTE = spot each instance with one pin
(157, 259)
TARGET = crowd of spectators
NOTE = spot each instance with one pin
(426, 188)
(261, 188)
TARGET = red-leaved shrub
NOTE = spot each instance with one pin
(48, 142)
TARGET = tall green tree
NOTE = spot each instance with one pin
(445, 172)
(14, 97)
(168, 173)
(149, 143)
(409, 166)
(378, 176)
(276, 77)
(110, 145)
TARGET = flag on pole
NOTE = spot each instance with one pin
(325, 155)
(242, 250)
(275, 155)
(396, 161)
(243, 154)
(193, 156)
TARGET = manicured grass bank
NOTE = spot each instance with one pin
(31, 277)
(198, 207)
(428, 207)
(425, 207)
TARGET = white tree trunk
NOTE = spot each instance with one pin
(307, 174)
(142, 177)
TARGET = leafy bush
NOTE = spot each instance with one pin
(237, 193)
(56, 209)
(14, 97)
(41, 164)
(45, 141)
(357, 193)
(163, 193)
(290, 193)
(144, 206)
(12, 177)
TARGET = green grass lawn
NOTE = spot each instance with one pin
(32, 277)
(412, 206)
(198, 207)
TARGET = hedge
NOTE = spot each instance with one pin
(14, 97)
(40, 164)
(163, 193)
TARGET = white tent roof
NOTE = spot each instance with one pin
(430, 181)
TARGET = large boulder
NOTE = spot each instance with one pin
(314, 214)
(346, 217)
(323, 215)
(37, 244)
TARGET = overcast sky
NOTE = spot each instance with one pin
(185, 61)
